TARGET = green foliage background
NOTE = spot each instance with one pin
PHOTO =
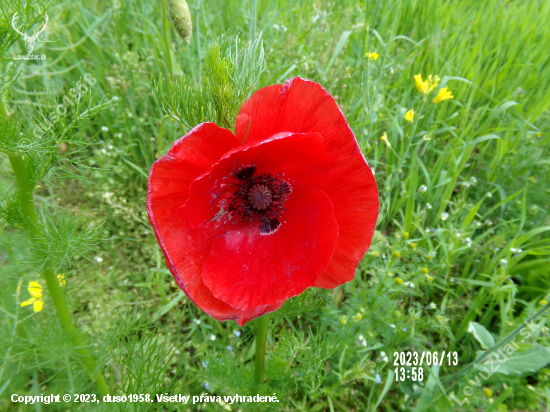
(467, 181)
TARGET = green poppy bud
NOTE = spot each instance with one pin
(178, 12)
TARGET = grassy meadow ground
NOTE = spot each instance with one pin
(464, 196)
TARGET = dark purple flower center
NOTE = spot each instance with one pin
(259, 199)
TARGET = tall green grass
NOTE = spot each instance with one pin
(479, 160)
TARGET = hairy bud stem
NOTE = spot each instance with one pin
(178, 12)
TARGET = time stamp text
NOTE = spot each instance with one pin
(410, 365)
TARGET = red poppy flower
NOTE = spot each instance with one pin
(249, 220)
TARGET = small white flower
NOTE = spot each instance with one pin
(118, 135)
(383, 354)
(428, 230)
(196, 321)
(237, 333)
(466, 184)
(477, 223)
(503, 262)
(489, 194)
(473, 180)
(488, 222)
(276, 26)
(422, 189)
(432, 306)
(444, 216)
(105, 129)
(212, 337)
(116, 98)
(98, 259)
(428, 206)
(410, 284)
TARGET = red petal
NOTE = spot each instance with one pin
(298, 106)
(169, 182)
(206, 192)
(246, 269)
(303, 106)
(188, 276)
(189, 157)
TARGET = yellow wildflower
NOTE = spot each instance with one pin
(430, 279)
(372, 56)
(396, 254)
(488, 392)
(375, 253)
(399, 281)
(542, 302)
(421, 86)
(384, 138)
(358, 317)
(443, 95)
(405, 235)
(343, 321)
(61, 279)
(35, 290)
(413, 245)
(425, 270)
(427, 86)
(409, 116)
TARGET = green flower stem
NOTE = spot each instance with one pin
(262, 325)
(3, 111)
(165, 33)
(25, 196)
